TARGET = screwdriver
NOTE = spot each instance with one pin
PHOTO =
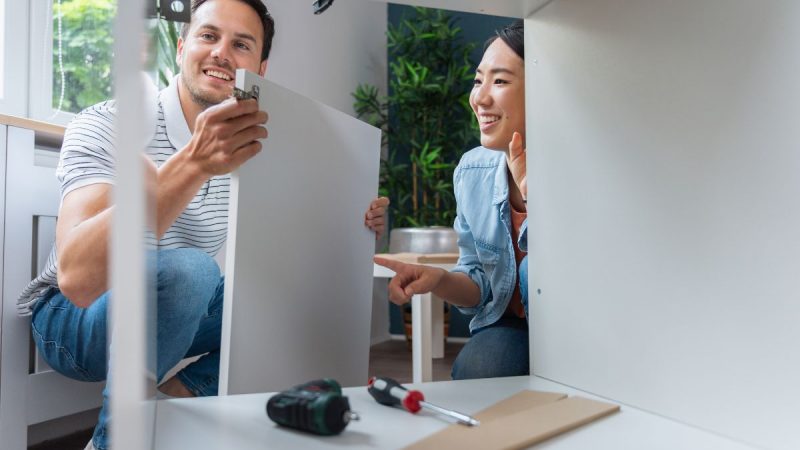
(389, 392)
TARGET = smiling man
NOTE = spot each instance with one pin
(202, 134)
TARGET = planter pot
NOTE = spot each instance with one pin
(423, 240)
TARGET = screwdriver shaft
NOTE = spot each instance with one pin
(461, 418)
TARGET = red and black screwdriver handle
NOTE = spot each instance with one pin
(389, 392)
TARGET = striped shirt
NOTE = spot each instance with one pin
(87, 157)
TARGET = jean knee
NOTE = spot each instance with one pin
(497, 351)
(186, 278)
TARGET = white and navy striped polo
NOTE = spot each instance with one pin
(87, 157)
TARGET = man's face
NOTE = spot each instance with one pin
(224, 35)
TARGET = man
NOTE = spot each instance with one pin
(202, 135)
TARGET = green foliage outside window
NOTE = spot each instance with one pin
(426, 118)
(87, 40)
(167, 34)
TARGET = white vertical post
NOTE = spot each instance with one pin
(437, 327)
(530, 66)
(422, 351)
(132, 414)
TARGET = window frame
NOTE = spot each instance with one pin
(41, 66)
(14, 99)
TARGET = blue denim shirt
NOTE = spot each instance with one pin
(483, 224)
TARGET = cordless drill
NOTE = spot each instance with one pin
(316, 407)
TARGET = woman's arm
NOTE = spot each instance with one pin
(410, 279)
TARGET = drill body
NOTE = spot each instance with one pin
(316, 407)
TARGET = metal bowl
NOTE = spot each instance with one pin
(423, 240)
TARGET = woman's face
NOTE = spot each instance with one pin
(498, 96)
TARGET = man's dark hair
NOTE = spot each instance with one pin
(268, 24)
(513, 35)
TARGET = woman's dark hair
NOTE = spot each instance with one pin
(513, 35)
(267, 23)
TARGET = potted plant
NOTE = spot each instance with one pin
(427, 125)
(426, 117)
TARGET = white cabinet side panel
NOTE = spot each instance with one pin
(664, 151)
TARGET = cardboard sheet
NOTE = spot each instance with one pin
(519, 421)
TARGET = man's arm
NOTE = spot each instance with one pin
(226, 136)
(82, 232)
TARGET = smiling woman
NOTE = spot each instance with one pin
(490, 279)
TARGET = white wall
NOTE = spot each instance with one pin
(664, 151)
(326, 56)
(505, 8)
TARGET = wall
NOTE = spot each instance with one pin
(326, 56)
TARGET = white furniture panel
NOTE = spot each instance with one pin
(29, 395)
(298, 278)
(664, 151)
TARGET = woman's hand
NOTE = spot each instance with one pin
(410, 279)
(516, 163)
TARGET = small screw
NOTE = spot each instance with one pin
(539, 291)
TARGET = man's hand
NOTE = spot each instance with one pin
(375, 217)
(410, 279)
(226, 136)
(516, 163)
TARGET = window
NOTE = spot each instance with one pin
(82, 45)
(72, 54)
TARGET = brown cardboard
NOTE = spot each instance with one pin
(525, 419)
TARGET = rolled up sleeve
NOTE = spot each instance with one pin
(470, 264)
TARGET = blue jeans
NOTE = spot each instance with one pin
(74, 341)
(500, 349)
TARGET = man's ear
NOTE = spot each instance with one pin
(263, 69)
(179, 53)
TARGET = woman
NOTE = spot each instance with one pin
(491, 223)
